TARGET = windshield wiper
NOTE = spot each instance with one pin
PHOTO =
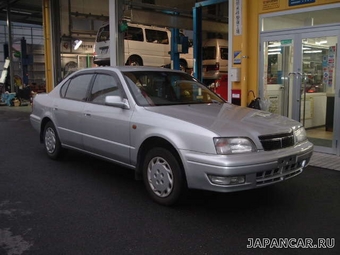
(215, 101)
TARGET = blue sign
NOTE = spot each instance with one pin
(237, 57)
(298, 2)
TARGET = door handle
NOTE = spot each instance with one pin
(87, 114)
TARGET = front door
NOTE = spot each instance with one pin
(106, 129)
(300, 82)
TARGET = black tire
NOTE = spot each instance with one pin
(51, 141)
(134, 61)
(163, 176)
(183, 65)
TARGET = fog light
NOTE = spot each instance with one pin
(304, 163)
(227, 180)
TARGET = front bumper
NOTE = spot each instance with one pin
(259, 169)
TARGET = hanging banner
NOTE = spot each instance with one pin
(238, 17)
(331, 65)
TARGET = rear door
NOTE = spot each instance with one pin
(68, 110)
(223, 59)
(156, 48)
(102, 46)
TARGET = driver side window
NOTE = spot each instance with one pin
(104, 85)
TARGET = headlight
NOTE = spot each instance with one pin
(300, 135)
(233, 145)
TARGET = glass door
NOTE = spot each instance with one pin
(318, 86)
(299, 81)
(279, 76)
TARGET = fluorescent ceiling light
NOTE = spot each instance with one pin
(274, 53)
(277, 49)
(321, 42)
(275, 44)
(312, 51)
(77, 43)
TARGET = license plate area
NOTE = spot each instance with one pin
(287, 164)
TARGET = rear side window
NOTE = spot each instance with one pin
(103, 34)
(104, 85)
(156, 36)
(224, 53)
(209, 52)
(134, 34)
(77, 87)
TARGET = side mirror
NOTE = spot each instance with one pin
(117, 101)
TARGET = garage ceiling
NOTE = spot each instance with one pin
(23, 11)
(30, 11)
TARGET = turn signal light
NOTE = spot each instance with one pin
(227, 180)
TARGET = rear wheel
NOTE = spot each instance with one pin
(135, 61)
(163, 176)
(183, 65)
(51, 141)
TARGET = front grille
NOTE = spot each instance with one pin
(278, 141)
(286, 168)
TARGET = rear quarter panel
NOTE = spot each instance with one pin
(41, 109)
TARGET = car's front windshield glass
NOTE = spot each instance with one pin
(155, 88)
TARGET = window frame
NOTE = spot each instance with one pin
(69, 81)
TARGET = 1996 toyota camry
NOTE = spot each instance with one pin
(169, 128)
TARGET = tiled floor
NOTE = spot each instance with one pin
(320, 133)
(322, 159)
(325, 161)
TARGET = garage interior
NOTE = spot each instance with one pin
(80, 20)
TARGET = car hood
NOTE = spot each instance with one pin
(228, 120)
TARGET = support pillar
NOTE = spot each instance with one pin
(174, 49)
(197, 41)
(116, 38)
(48, 42)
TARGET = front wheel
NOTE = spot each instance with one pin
(51, 141)
(163, 176)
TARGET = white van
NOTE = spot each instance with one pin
(214, 58)
(143, 46)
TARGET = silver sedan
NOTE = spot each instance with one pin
(170, 129)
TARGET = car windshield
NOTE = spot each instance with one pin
(150, 88)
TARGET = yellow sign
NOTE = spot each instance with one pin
(270, 4)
